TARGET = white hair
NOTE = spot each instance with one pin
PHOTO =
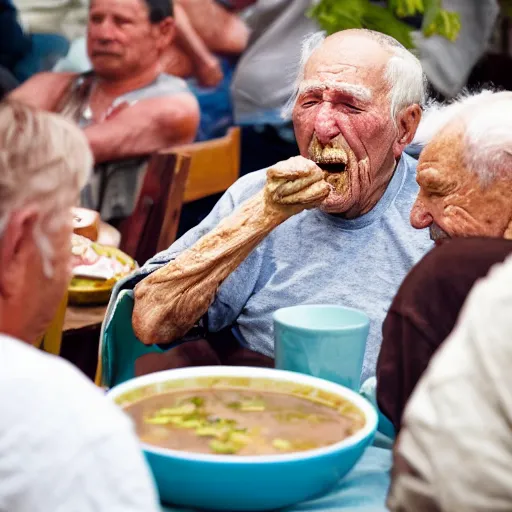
(358, 91)
(44, 160)
(407, 81)
(486, 118)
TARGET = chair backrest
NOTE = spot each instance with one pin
(154, 222)
(214, 166)
(51, 340)
(119, 347)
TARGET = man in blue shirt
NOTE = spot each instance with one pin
(330, 226)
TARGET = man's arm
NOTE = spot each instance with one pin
(44, 90)
(170, 301)
(207, 66)
(146, 127)
(222, 31)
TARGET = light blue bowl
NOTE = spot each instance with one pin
(223, 482)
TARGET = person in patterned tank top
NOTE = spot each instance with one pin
(126, 106)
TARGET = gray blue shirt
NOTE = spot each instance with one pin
(314, 258)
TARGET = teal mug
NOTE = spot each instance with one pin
(325, 341)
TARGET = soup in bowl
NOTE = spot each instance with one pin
(235, 438)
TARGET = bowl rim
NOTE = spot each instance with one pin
(278, 315)
(254, 372)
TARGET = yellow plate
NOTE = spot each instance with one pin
(93, 291)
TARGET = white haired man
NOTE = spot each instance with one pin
(464, 172)
(465, 178)
(63, 446)
(329, 226)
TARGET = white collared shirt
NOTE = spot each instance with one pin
(457, 425)
(63, 446)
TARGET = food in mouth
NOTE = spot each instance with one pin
(333, 168)
(333, 158)
(335, 175)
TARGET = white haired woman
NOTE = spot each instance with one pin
(63, 446)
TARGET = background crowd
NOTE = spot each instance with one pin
(361, 163)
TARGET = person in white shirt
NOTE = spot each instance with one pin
(63, 445)
(454, 451)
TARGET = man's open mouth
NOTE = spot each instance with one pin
(333, 168)
(337, 162)
(336, 174)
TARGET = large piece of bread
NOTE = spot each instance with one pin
(86, 223)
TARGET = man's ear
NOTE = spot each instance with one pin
(167, 31)
(407, 124)
(17, 248)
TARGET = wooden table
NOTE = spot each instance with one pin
(83, 317)
(82, 324)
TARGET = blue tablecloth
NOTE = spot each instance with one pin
(363, 490)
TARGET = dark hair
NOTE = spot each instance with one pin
(159, 10)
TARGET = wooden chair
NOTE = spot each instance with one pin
(214, 166)
(153, 224)
(52, 339)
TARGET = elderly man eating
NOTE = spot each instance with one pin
(329, 226)
(63, 445)
(465, 182)
(127, 107)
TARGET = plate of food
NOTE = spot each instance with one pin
(89, 224)
(96, 269)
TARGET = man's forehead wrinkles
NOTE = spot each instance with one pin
(318, 86)
(333, 69)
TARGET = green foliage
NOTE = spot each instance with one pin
(506, 7)
(335, 15)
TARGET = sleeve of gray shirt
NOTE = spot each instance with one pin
(235, 291)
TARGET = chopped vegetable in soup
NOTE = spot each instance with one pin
(243, 422)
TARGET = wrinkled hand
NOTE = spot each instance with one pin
(295, 184)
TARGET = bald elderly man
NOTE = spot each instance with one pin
(465, 180)
(127, 107)
(328, 226)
